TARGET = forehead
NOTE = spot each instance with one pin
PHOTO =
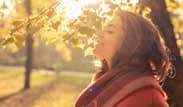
(114, 21)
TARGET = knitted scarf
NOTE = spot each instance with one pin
(114, 86)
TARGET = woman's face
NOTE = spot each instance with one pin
(109, 40)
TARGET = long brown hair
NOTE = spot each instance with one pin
(142, 46)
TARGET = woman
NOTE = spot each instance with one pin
(134, 61)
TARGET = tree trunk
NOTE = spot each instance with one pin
(161, 18)
(29, 49)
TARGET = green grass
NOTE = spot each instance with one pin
(46, 90)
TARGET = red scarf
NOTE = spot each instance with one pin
(113, 86)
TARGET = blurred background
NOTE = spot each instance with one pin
(46, 47)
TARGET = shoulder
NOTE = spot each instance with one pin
(145, 97)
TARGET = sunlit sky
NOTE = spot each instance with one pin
(6, 6)
(73, 8)
(8, 3)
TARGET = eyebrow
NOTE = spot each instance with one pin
(112, 25)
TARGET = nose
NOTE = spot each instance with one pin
(101, 35)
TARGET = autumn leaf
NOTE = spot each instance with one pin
(19, 40)
(88, 51)
(56, 24)
(18, 22)
(77, 43)
(86, 30)
(7, 41)
(51, 13)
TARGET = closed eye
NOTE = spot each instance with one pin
(110, 31)
(110, 28)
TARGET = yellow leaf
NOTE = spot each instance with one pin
(34, 28)
(80, 46)
(64, 51)
(51, 13)
(56, 24)
(19, 40)
(51, 40)
(179, 42)
(88, 51)
(7, 41)
(76, 42)
(12, 48)
(18, 22)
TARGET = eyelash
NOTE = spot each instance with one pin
(109, 31)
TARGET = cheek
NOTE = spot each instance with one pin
(111, 47)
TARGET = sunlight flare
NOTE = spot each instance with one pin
(134, 1)
(73, 8)
(6, 6)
